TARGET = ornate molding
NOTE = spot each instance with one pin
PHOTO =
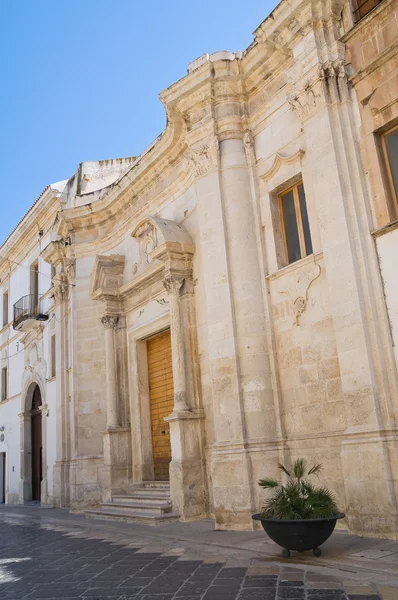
(107, 276)
(173, 285)
(204, 158)
(281, 159)
(329, 85)
(60, 288)
(248, 142)
(109, 321)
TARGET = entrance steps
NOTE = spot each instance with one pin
(148, 503)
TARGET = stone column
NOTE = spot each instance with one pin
(116, 438)
(109, 323)
(177, 347)
(25, 486)
(61, 491)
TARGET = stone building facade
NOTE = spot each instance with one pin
(218, 303)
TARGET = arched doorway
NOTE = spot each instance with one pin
(37, 445)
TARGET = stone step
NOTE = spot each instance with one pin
(135, 507)
(141, 496)
(149, 518)
(156, 484)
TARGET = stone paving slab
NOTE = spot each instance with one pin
(52, 554)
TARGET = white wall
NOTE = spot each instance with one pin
(387, 245)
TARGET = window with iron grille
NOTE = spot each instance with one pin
(364, 7)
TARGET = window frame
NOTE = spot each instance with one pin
(6, 304)
(4, 383)
(299, 220)
(53, 356)
(386, 157)
(361, 4)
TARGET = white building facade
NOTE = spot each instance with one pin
(216, 304)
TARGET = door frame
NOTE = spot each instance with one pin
(3, 476)
(36, 424)
(165, 425)
(140, 409)
(25, 492)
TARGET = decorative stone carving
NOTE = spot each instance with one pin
(279, 160)
(248, 142)
(147, 238)
(299, 289)
(173, 285)
(59, 253)
(35, 367)
(205, 158)
(107, 275)
(329, 85)
(60, 288)
(109, 321)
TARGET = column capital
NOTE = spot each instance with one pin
(109, 321)
(173, 284)
(203, 156)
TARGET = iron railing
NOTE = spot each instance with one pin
(27, 307)
(364, 7)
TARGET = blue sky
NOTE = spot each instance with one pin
(81, 80)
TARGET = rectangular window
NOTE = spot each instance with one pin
(34, 285)
(5, 309)
(390, 150)
(295, 224)
(53, 271)
(53, 356)
(364, 7)
(4, 383)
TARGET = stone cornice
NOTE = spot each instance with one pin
(26, 235)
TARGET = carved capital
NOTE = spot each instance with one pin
(205, 158)
(173, 285)
(329, 85)
(60, 287)
(109, 321)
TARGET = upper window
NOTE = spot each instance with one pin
(5, 309)
(364, 7)
(295, 225)
(4, 383)
(390, 150)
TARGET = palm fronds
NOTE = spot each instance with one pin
(299, 498)
(268, 483)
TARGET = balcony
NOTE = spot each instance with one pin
(27, 313)
(364, 7)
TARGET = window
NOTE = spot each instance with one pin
(4, 383)
(390, 150)
(5, 309)
(53, 271)
(34, 284)
(364, 7)
(295, 225)
(53, 356)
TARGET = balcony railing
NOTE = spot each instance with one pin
(364, 7)
(27, 310)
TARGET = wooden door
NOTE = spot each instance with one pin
(161, 392)
(36, 430)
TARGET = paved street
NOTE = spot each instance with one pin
(51, 554)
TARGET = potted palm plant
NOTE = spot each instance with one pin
(299, 515)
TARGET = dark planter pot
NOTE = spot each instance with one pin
(307, 534)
